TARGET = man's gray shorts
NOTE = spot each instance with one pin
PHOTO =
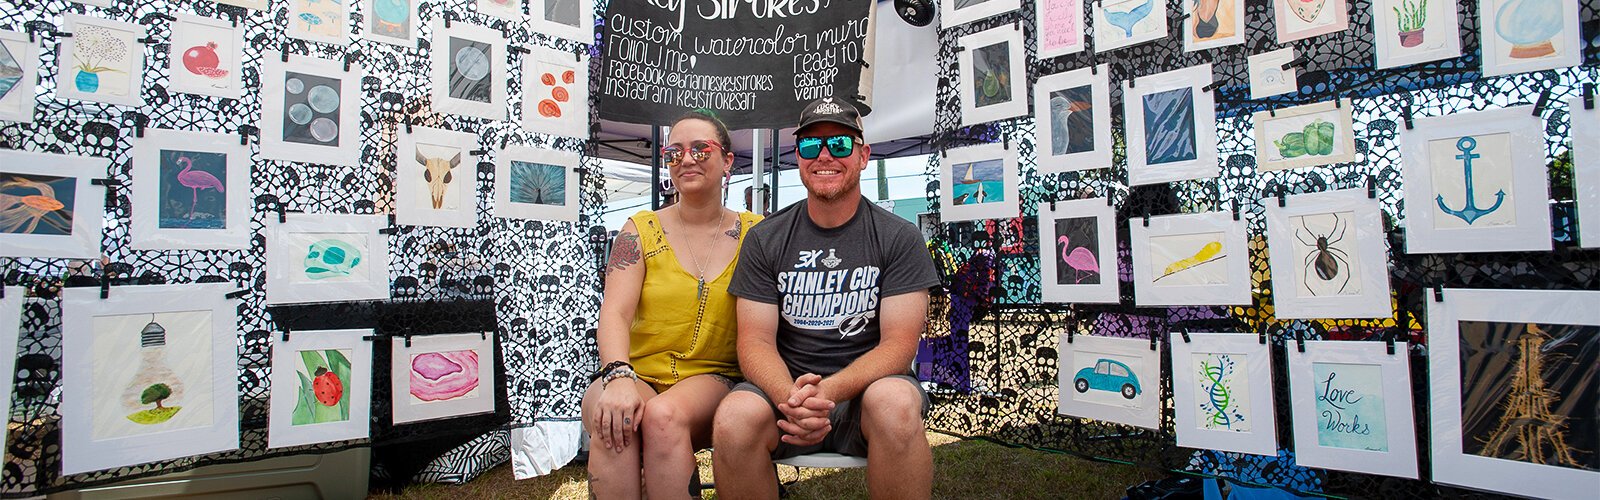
(846, 437)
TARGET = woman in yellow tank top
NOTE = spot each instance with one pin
(667, 331)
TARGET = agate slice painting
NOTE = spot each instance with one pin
(442, 376)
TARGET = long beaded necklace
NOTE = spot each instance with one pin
(700, 267)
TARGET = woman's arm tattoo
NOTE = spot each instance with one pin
(625, 252)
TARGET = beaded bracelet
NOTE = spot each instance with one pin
(608, 368)
(619, 372)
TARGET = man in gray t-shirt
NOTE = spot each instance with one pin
(832, 298)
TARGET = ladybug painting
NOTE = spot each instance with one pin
(327, 387)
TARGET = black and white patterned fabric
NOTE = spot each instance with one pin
(993, 348)
(540, 279)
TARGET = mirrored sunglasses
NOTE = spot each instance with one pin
(839, 146)
(699, 150)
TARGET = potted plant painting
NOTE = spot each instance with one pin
(96, 47)
(1411, 16)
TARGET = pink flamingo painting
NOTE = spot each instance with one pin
(196, 180)
(1080, 259)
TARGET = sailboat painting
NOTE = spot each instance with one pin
(981, 183)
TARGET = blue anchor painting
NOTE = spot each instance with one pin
(1470, 212)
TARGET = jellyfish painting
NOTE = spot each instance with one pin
(36, 204)
(538, 183)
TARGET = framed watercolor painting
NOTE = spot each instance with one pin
(1222, 393)
(116, 411)
(1414, 31)
(1268, 77)
(19, 72)
(391, 21)
(1171, 127)
(469, 70)
(954, 13)
(436, 179)
(309, 110)
(1300, 19)
(510, 10)
(1111, 379)
(321, 387)
(1190, 260)
(1072, 119)
(536, 184)
(1212, 24)
(1351, 403)
(319, 21)
(1515, 379)
(1120, 23)
(1083, 246)
(1304, 136)
(1326, 255)
(103, 61)
(994, 74)
(1059, 24)
(1529, 35)
(191, 190)
(1476, 182)
(566, 19)
(442, 376)
(205, 55)
(327, 258)
(981, 183)
(52, 209)
(1585, 127)
(555, 88)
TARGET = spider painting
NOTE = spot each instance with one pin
(1325, 261)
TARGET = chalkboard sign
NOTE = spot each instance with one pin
(756, 64)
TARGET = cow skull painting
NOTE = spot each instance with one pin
(437, 172)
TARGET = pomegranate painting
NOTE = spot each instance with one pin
(440, 376)
(202, 60)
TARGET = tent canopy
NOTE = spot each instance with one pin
(901, 121)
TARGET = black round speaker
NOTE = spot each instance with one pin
(917, 13)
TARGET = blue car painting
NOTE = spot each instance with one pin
(1108, 375)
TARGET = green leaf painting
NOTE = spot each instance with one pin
(323, 394)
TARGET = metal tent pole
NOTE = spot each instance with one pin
(758, 188)
(776, 166)
(655, 168)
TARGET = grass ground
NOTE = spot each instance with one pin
(962, 469)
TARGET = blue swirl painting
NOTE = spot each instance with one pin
(1169, 126)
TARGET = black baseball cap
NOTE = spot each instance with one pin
(830, 109)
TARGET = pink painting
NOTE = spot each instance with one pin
(1060, 27)
(442, 376)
